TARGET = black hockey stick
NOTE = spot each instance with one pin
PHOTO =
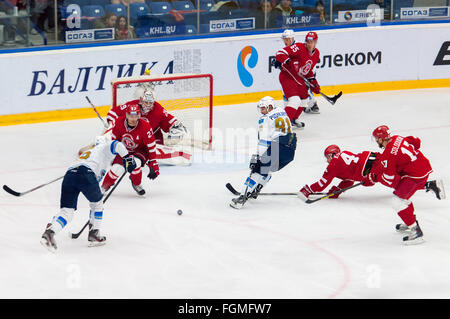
(235, 192)
(331, 99)
(310, 201)
(105, 125)
(12, 192)
(76, 235)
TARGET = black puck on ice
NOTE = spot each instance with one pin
(179, 212)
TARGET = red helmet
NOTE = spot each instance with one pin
(311, 36)
(331, 149)
(133, 109)
(381, 132)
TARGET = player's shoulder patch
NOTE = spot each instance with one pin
(261, 121)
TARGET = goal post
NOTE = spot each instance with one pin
(189, 97)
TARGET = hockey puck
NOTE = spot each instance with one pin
(179, 212)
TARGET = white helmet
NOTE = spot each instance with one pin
(147, 99)
(266, 102)
(288, 34)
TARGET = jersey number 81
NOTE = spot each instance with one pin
(281, 124)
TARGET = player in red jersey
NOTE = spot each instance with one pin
(137, 136)
(295, 59)
(403, 167)
(161, 121)
(345, 165)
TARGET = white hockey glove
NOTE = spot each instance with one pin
(177, 132)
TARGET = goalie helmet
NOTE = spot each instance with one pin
(146, 101)
(331, 150)
(266, 102)
(381, 132)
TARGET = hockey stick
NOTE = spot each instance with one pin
(235, 192)
(105, 125)
(310, 201)
(332, 99)
(76, 235)
(12, 192)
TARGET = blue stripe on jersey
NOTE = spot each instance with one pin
(113, 147)
(264, 143)
(61, 221)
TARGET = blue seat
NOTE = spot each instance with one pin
(190, 18)
(137, 9)
(102, 3)
(205, 17)
(118, 9)
(81, 3)
(92, 11)
(160, 7)
(310, 3)
(183, 5)
(206, 4)
(190, 29)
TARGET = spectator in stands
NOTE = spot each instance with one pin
(125, 2)
(109, 20)
(123, 30)
(44, 11)
(265, 17)
(320, 8)
(284, 7)
(383, 5)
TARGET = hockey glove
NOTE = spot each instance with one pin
(177, 131)
(332, 190)
(315, 87)
(129, 163)
(255, 163)
(276, 64)
(369, 181)
(153, 169)
(305, 192)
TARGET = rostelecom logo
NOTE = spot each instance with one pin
(244, 75)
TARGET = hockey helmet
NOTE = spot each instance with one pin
(331, 150)
(146, 100)
(311, 36)
(288, 34)
(133, 109)
(266, 102)
(381, 132)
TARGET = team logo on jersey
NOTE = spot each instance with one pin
(306, 68)
(244, 75)
(128, 140)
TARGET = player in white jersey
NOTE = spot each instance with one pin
(84, 177)
(276, 149)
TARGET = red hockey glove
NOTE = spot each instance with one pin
(415, 141)
(153, 169)
(305, 192)
(315, 87)
(369, 180)
(332, 190)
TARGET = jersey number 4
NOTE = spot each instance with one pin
(348, 159)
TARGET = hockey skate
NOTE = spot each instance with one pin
(437, 187)
(312, 109)
(298, 124)
(48, 240)
(238, 202)
(256, 191)
(139, 189)
(415, 235)
(94, 237)
(402, 228)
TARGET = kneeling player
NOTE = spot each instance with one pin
(84, 177)
(137, 136)
(276, 149)
(344, 165)
(169, 150)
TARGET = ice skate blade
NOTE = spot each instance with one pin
(96, 243)
(49, 248)
(236, 206)
(416, 241)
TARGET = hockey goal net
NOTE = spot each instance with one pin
(189, 97)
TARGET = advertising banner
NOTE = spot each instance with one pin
(89, 35)
(424, 12)
(60, 79)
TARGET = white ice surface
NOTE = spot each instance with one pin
(275, 247)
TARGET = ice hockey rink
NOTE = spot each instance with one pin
(275, 247)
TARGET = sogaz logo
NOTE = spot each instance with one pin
(244, 75)
(348, 16)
